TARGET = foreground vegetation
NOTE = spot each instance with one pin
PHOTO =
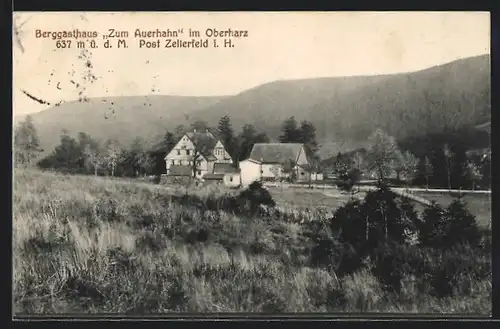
(89, 244)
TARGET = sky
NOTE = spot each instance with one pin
(278, 46)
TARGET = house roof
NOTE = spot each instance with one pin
(225, 168)
(180, 170)
(275, 152)
(213, 176)
(204, 141)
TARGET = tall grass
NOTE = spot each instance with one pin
(95, 245)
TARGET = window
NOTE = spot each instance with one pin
(187, 152)
(199, 172)
(173, 162)
(178, 152)
(302, 173)
(262, 171)
(231, 178)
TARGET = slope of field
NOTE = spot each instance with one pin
(344, 109)
(94, 245)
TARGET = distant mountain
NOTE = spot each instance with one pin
(345, 110)
(123, 118)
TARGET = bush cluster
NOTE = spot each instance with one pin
(388, 237)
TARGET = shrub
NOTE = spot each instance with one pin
(445, 228)
(432, 227)
(454, 269)
(106, 210)
(253, 197)
(365, 225)
(386, 218)
(350, 224)
(463, 228)
(392, 262)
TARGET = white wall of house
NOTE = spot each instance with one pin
(302, 175)
(271, 170)
(250, 171)
(181, 154)
(317, 176)
(302, 159)
(221, 154)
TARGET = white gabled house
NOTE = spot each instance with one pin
(200, 147)
(267, 161)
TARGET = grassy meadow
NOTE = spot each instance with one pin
(84, 244)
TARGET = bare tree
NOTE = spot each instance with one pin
(408, 165)
(427, 170)
(201, 148)
(145, 162)
(448, 162)
(473, 173)
(289, 169)
(113, 153)
(94, 158)
(26, 142)
(383, 154)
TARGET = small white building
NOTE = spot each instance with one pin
(225, 174)
(250, 171)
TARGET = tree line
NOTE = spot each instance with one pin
(447, 165)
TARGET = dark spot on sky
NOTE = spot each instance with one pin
(112, 103)
(58, 86)
(36, 99)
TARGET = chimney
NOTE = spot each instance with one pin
(194, 130)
